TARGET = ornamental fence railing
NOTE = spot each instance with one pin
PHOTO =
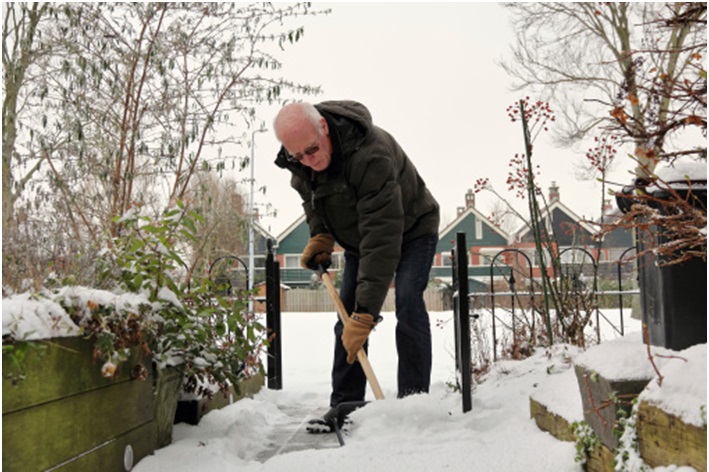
(507, 304)
(504, 300)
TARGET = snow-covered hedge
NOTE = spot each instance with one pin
(216, 339)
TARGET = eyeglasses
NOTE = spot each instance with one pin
(309, 151)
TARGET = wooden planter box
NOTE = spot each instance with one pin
(65, 416)
(665, 439)
(598, 409)
(554, 424)
(168, 389)
(192, 411)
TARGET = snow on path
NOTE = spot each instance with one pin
(418, 433)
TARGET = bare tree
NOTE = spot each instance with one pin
(19, 52)
(158, 90)
(225, 227)
(604, 64)
(665, 96)
(670, 88)
(122, 104)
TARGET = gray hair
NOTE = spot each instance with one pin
(312, 113)
(294, 112)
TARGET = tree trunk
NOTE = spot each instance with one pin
(18, 59)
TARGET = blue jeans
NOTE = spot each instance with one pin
(413, 328)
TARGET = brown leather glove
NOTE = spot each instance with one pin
(356, 332)
(318, 252)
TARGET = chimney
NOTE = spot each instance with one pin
(459, 211)
(470, 199)
(553, 193)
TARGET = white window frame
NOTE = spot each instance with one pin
(478, 229)
(446, 260)
(532, 253)
(487, 254)
(574, 256)
(291, 261)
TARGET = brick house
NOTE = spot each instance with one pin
(484, 240)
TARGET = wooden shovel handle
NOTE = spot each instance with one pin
(361, 355)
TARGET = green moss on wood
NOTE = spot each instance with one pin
(65, 410)
(665, 439)
(64, 369)
(554, 424)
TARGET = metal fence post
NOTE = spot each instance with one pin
(273, 320)
(462, 321)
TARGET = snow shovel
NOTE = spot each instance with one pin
(361, 355)
(337, 414)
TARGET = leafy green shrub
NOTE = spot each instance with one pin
(146, 299)
(16, 353)
(586, 440)
(627, 457)
(214, 337)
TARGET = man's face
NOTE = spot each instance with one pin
(310, 146)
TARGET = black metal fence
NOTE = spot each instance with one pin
(461, 310)
(230, 274)
(273, 320)
(467, 304)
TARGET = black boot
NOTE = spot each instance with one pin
(335, 419)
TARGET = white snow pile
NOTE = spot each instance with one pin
(680, 174)
(683, 390)
(33, 316)
(28, 317)
(418, 433)
(422, 432)
(625, 358)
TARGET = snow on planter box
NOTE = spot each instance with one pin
(550, 404)
(610, 376)
(672, 414)
(64, 414)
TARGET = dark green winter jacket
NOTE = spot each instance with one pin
(371, 197)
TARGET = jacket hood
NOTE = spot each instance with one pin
(354, 111)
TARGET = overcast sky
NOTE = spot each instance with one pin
(428, 74)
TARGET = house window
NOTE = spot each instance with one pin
(534, 257)
(337, 261)
(291, 261)
(575, 256)
(487, 255)
(259, 261)
(478, 229)
(483, 256)
(259, 268)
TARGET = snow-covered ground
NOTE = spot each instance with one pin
(420, 433)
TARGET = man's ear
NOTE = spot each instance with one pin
(323, 123)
